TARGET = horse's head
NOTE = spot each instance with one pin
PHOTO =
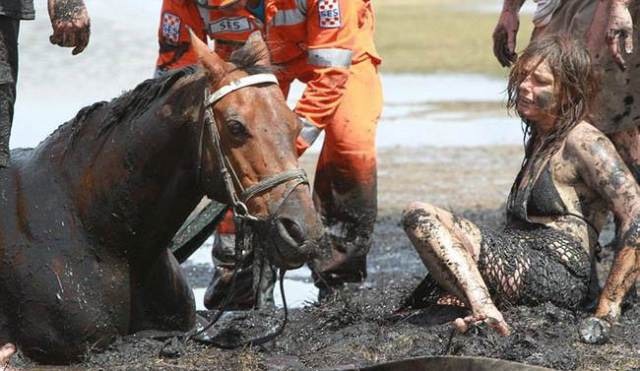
(252, 137)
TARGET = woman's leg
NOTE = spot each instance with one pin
(449, 247)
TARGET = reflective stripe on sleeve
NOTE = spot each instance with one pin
(309, 131)
(288, 17)
(330, 57)
(302, 5)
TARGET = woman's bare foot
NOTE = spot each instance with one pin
(6, 351)
(490, 316)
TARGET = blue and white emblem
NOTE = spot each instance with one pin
(329, 11)
(171, 28)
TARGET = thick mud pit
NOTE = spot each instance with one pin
(356, 328)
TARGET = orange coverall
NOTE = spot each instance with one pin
(327, 44)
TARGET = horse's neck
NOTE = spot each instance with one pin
(136, 186)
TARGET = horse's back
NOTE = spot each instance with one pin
(61, 291)
(78, 212)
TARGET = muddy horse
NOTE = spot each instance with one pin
(87, 214)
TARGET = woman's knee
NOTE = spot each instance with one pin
(416, 215)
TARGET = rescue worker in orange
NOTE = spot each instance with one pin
(328, 45)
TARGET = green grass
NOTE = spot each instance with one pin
(439, 36)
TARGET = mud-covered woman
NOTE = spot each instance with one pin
(571, 177)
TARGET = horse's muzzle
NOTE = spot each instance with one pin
(292, 248)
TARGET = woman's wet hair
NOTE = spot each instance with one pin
(573, 72)
(577, 83)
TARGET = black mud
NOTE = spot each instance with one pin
(357, 329)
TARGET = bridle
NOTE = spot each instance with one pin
(244, 220)
(230, 177)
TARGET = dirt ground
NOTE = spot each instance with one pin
(355, 329)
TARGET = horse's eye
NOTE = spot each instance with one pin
(237, 129)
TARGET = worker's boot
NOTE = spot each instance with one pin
(218, 295)
(255, 272)
(340, 262)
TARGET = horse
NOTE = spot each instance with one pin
(88, 214)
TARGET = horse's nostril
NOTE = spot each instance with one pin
(293, 229)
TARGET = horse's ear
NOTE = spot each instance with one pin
(256, 43)
(210, 60)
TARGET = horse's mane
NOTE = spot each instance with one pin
(248, 59)
(134, 103)
(125, 108)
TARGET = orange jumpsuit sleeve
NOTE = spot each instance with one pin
(331, 27)
(176, 17)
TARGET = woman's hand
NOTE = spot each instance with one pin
(594, 330)
(494, 320)
(71, 24)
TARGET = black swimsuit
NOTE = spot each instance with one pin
(530, 263)
(527, 262)
(544, 198)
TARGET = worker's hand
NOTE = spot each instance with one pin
(504, 37)
(619, 32)
(71, 24)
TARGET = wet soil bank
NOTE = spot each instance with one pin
(355, 328)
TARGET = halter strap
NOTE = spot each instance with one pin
(272, 181)
(240, 83)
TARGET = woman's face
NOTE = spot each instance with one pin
(537, 94)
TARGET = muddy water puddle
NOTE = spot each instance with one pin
(420, 110)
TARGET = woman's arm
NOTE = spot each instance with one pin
(602, 169)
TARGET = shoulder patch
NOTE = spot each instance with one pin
(329, 11)
(171, 28)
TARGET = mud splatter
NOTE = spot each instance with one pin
(67, 10)
(545, 100)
